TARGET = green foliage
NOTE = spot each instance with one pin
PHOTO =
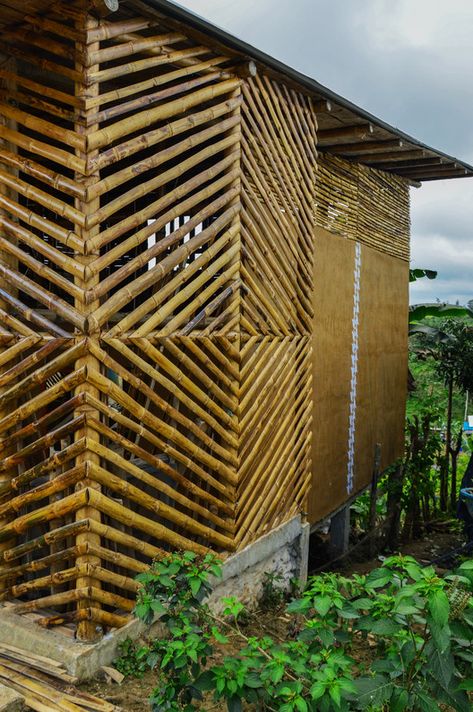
(455, 356)
(417, 627)
(360, 508)
(415, 274)
(430, 395)
(133, 659)
(273, 592)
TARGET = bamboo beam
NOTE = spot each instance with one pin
(413, 162)
(343, 132)
(6, 353)
(390, 156)
(349, 149)
(103, 8)
(322, 106)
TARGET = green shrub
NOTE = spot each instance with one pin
(414, 629)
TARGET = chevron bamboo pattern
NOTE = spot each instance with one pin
(156, 225)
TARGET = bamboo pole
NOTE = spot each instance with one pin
(12, 352)
(34, 358)
(68, 238)
(155, 81)
(158, 483)
(5, 355)
(151, 138)
(42, 399)
(69, 505)
(190, 187)
(161, 270)
(38, 426)
(30, 167)
(40, 375)
(84, 88)
(160, 246)
(122, 514)
(61, 307)
(151, 184)
(106, 136)
(217, 504)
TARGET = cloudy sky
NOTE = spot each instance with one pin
(410, 62)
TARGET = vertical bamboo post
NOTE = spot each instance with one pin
(86, 91)
(10, 261)
(236, 298)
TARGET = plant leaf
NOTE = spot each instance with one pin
(373, 691)
(439, 607)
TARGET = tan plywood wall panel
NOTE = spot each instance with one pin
(382, 366)
(333, 311)
(378, 389)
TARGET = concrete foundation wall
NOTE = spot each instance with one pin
(283, 551)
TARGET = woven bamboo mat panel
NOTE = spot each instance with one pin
(156, 217)
(360, 368)
(364, 204)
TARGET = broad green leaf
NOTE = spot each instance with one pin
(466, 566)
(457, 699)
(441, 666)
(385, 627)
(439, 607)
(415, 274)
(195, 584)
(322, 604)
(378, 578)
(399, 701)
(205, 681)
(425, 703)
(318, 690)
(301, 704)
(234, 704)
(157, 607)
(335, 694)
(373, 691)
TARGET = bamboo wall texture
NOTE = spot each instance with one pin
(364, 204)
(156, 255)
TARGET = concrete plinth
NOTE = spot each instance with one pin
(283, 551)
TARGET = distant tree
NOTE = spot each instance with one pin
(454, 364)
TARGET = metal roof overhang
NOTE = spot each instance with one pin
(345, 130)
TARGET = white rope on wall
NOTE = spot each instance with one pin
(354, 370)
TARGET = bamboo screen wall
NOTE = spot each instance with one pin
(156, 216)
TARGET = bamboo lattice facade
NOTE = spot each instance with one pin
(157, 215)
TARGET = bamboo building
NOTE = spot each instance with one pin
(203, 297)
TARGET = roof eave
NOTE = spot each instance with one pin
(447, 167)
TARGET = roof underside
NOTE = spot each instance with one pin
(345, 129)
